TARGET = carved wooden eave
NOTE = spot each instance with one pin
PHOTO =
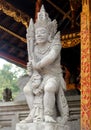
(70, 40)
(13, 34)
(12, 59)
(11, 11)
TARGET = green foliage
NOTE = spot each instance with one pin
(9, 75)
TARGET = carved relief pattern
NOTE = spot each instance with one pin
(85, 73)
(11, 11)
(70, 42)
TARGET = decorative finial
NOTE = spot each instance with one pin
(42, 9)
(43, 20)
(31, 30)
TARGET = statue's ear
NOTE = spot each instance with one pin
(49, 38)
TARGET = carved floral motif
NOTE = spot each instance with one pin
(85, 71)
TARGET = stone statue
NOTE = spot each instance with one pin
(7, 95)
(45, 89)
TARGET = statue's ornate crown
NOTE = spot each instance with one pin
(43, 20)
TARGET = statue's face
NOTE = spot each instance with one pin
(41, 35)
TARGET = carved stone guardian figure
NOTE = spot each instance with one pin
(45, 89)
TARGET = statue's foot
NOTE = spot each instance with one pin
(27, 120)
(62, 120)
(49, 119)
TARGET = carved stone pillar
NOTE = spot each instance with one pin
(86, 65)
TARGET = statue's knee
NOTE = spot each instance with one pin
(51, 87)
(26, 90)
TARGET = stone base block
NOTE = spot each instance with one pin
(41, 126)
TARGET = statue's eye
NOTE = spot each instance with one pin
(43, 32)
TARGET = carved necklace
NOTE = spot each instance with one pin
(43, 51)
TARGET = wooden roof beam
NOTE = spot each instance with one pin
(66, 15)
(60, 10)
(13, 34)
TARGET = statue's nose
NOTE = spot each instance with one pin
(39, 35)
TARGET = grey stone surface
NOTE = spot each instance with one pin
(12, 113)
(20, 98)
(6, 128)
(41, 126)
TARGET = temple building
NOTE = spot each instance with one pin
(74, 23)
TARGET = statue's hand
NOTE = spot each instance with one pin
(36, 66)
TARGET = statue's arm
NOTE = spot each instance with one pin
(51, 57)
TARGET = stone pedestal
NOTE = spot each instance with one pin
(41, 126)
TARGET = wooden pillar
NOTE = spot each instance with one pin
(86, 65)
(37, 8)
